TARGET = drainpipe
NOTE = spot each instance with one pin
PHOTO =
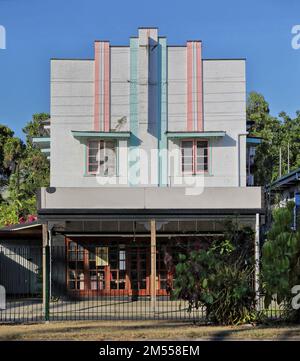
(50, 260)
(46, 271)
(257, 261)
(153, 265)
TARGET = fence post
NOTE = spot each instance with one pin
(257, 261)
(153, 265)
(46, 269)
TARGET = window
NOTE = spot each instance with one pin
(201, 156)
(76, 266)
(187, 156)
(194, 156)
(97, 261)
(96, 267)
(102, 157)
(117, 261)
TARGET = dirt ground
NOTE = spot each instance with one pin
(143, 330)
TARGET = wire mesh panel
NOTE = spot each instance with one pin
(21, 278)
(111, 280)
(96, 279)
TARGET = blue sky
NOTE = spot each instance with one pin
(36, 31)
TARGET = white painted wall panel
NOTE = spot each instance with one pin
(177, 88)
(120, 88)
(72, 108)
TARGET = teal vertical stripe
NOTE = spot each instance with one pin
(134, 140)
(162, 113)
(118, 159)
(85, 157)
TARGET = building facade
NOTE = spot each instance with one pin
(147, 142)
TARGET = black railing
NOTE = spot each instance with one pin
(93, 281)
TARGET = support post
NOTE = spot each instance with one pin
(257, 261)
(153, 265)
(46, 272)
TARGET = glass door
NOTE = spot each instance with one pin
(118, 268)
(76, 275)
(97, 267)
(139, 270)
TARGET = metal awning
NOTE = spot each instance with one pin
(208, 134)
(285, 181)
(254, 140)
(42, 142)
(26, 231)
(20, 226)
(138, 214)
(104, 135)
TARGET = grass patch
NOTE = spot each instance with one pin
(135, 330)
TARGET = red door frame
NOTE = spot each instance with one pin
(128, 280)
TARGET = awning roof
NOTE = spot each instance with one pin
(24, 231)
(42, 142)
(134, 214)
(20, 226)
(285, 181)
(254, 140)
(182, 135)
(96, 134)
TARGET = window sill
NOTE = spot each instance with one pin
(206, 174)
(98, 175)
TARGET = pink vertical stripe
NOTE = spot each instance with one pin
(106, 87)
(97, 84)
(199, 88)
(189, 86)
(194, 157)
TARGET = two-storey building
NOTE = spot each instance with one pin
(148, 159)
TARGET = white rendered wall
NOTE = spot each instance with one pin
(224, 98)
(72, 108)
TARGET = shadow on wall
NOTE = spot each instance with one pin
(21, 270)
(226, 141)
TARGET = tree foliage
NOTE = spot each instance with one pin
(281, 257)
(277, 133)
(24, 169)
(219, 278)
(35, 127)
(10, 151)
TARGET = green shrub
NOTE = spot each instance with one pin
(219, 278)
(281, 261)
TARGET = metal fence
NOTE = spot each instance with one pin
(96, 281)
(21, 279)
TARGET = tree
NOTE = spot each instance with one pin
(35, 127)
(11, 149)
(290, 141)
(220, 277)
(282, 133)
(26, 170)
(257, 112)
(281, 259)
(263, 125)
(36, 167)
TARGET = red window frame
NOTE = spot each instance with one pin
(98, 161)
(88, 157)
(194, 156)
